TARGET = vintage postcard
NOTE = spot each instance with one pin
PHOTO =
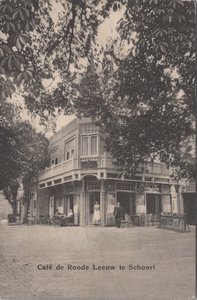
(97, 150)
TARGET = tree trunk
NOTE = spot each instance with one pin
(25, 217)
(14, 207)
(26, 209)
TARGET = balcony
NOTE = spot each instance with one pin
(94, 163)
(59, 169)
(190, 188)
(156, 168)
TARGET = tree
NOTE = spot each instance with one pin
(10, 154)
(32, 148)
(18, 19)
(149, 88)
(35, 148)
(143, 107)
(10, 193)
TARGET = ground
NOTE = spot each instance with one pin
(23, 248)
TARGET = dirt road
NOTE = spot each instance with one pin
(57, 263)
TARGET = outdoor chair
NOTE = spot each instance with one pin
(42, 219)
(31, 220)
(128, 221)
(56, 220)
(149, 220)
(142, 219)
(68, 221)
(157, 220)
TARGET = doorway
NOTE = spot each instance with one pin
(127, 202)
(190, 207)
(153, 204)
(93, 198)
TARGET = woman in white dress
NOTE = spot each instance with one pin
(97, 214)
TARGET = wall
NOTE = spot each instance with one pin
(5, 207)
(140, 204)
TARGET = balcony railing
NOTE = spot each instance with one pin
(58, 169)
(156, 168)
(191, 188)
(104, 161)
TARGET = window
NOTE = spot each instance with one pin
(93, 185)
(89, 145)
(84, 145)
(54, 161)
(93, 145)
(88, 128)
(54, 155)
(69, 149)
(124, 186)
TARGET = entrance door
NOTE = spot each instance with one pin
(93, 198)
(153, 204)
(127, 201)
(190, 207)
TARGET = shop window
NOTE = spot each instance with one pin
(93, 185)
(124, 186)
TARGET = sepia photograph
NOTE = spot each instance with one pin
(98, 150)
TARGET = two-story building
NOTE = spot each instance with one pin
(81, 172)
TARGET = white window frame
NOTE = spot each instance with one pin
(89, 136)
(70, 151)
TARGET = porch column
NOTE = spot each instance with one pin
(82, 205)
(180, 200)
(102, 203)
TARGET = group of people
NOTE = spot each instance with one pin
(118, 214)
(65, 218)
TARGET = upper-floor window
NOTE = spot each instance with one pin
(69, 149)
(54, 155)
(88, 128)
(89, 145)
(54, 161)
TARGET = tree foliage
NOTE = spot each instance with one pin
(30, 156)
(139, 88)
(146, 102)
(10, 193)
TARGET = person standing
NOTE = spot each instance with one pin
(118, 214)
(97, 214)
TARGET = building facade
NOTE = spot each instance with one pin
(5, 207)
(81, 172)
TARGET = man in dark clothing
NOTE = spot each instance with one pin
(118, 213)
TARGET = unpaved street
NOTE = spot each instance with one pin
(89, 252)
